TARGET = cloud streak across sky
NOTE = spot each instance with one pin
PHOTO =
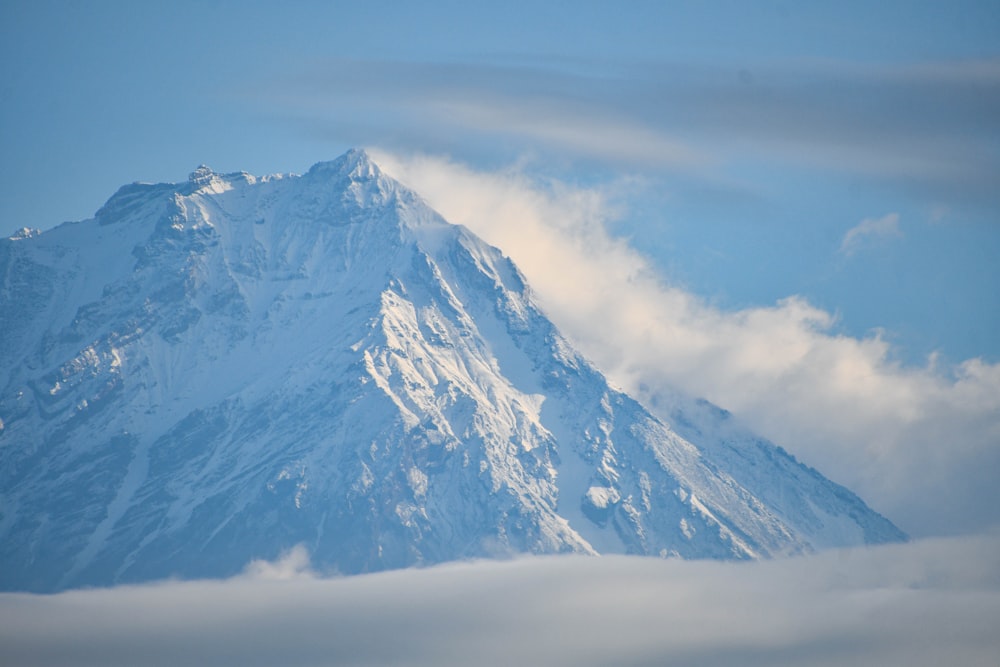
(921, 444)
(926, 603)
(921, 126)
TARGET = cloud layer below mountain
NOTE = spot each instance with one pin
(921, 444)
(932, 602)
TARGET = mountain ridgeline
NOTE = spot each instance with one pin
(212, 372)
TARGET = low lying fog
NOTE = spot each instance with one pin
(932, 602)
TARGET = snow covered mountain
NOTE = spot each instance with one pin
(211, 372)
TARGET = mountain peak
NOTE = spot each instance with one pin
(358, 178)
(201, 175)
(24, 233)
(204, 178)
(356, 165)
(248, 364)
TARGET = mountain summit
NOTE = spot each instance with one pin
(211, 372)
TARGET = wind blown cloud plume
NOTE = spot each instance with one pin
(921, 604)
(922, 444)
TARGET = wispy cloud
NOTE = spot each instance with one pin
(922, 444)
(921, 126)
(870, 228)
(925, 603)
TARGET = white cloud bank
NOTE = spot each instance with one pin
(927, 603)
(921, 444)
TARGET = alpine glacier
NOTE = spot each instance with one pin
(212, 372)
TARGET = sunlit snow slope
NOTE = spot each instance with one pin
(211, 372)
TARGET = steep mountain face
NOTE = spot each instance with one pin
(211, 372)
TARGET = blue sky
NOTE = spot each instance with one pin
(801, 200)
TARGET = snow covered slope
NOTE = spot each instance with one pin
(211, 372)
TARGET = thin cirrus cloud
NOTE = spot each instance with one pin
(921, 444)
(869, 229)
(922, 126)
(930, 602)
